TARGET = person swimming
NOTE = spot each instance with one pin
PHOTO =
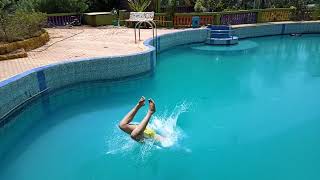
(141, 131)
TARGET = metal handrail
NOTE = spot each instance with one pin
(153, 25)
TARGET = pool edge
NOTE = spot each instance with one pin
(15, 91)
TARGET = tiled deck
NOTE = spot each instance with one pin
(77, 43)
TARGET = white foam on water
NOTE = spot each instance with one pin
(164, 124)
(119, 144)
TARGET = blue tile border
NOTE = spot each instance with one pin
(158, 45)
(41, 80)
(8, 117)
(152, 60)
(126, 66)
(283, 28)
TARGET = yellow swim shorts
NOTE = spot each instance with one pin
(149, 133)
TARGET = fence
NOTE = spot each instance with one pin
(185, 19)
(227, 18)
(272, 15)
(62, 19)
(162, 20)
(180, 20)
(238, 18)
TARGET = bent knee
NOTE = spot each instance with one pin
(134, 136)
(123, 126)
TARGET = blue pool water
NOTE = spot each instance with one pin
(245, 115)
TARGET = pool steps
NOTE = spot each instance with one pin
(221, 35)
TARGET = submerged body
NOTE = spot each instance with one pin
(140, 131)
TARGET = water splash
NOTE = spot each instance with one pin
(119, 143)
(164, 124)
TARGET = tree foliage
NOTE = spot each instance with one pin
(301, 9)
(220, 5)
(62, 6)
(101, 5)
(199, 6)
(7, 6)
(139, 5)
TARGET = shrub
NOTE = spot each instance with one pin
(6, 7)
(61, 6)
(18, 20)
(21, 25)
(199, 6)
(316, 12)
(300, 12)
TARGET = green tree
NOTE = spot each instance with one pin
(7, 6)
(27, 5)
(301, 9)
(210, 5)
(101, 5)
(62, 6)
(199, 6)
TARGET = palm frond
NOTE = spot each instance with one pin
(139, 5)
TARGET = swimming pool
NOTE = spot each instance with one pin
(247, 114)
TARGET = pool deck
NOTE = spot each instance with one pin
(77, 43)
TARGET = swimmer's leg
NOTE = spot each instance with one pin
(124, 124)
(137, 132)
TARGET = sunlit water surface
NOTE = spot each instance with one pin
(232, 114)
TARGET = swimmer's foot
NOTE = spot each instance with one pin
(152, 106)
(141, 102)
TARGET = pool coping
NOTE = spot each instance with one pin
(163, 42)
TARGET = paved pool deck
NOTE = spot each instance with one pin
(77, 43)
